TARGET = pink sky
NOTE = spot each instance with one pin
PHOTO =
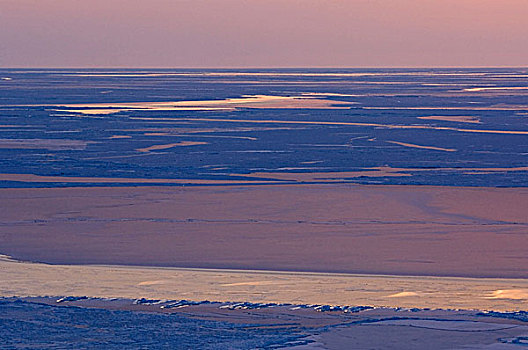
(263, 33)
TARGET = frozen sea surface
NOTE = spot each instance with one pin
(26, 325)
(461, 127)
(87, 323)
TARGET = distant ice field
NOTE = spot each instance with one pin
(448, 127)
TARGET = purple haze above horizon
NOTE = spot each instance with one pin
(271, 33)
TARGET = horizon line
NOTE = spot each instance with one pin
(266, 67)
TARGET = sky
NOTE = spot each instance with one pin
(263, 33)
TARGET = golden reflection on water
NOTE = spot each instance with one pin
(246, 101)
(500, 107)
(170, 145)
(422, 147)
(453, 118)
(479, 89)
(305, 122)
(260, 177)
